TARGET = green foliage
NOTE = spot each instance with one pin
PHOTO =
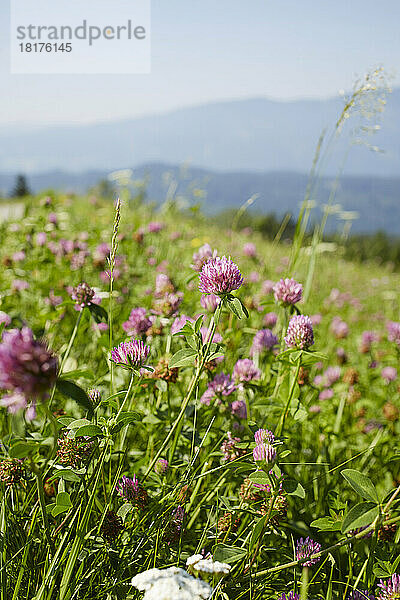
(68, 531)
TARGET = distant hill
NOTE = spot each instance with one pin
(244, 135)
(376, 199)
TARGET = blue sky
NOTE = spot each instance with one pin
(218, 49)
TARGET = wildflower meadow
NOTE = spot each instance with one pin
(190, 412)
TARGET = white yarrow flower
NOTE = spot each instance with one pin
(192, 560)
(207, 565)
(171, 584)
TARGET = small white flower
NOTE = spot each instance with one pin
(171, 584)
(207, 565)
(192, 560)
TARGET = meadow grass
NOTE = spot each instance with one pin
(117, 467)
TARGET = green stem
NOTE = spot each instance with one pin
(42, 503)
(281, 425)
(71, 340)
(340, 544)
(128, 391)
(66, 354)
(192, 386)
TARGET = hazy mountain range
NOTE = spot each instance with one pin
(376, 199)
(252, 135)
(237, 149)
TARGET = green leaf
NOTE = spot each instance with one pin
(293, 488)
(327, 524)
(310, 358)
(98, 313)
(22, 449)
(66, 474)
(257, 531)
(129, 417)
(125, 418)
(76, 423)
(76, 373)
(236, 306)
(187, 329)
(125, 510)
(63, 504)
(89, 430)
(228, 554)
(259, 477)
(70, 389)
(182, 358)
(198, 323)
(361, 484)
(360, 515)
(65, 421)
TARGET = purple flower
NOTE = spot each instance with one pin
(389, 588)
(27, 368)
(164, 285)
(339, 328)
(245, 370)
(53, 300)
(267, 287)
(263, 340)
(53, 218)
(229, 450)
(168, 304)
(100, 253)
(18, 256)
(5, 318)
(210, 302)
(331, 376)
(262, 436)
(326, 394)
(265, 454)
(130, 490)
(94, 396)
(84, 295)
(389, 374)
(299, 333)
(18, 285)
(179, 323)
(138, 322)
(239, 409)
(202, 256)
(41, 238)
(289, 596)
(367, 339)
(372, 425)
(161, 466)
(360, 595)
(316, 319)
(221, 385)
(100, 326)
(132, 354)
(155, 227)
(175, 523)
(270, 319)
(393, 330)
(220, 276)
(250, 250)
(288, 291)
(217, 337)
(305, 549)
(254, 277)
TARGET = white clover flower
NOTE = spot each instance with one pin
(170, 584)
(207, 565)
